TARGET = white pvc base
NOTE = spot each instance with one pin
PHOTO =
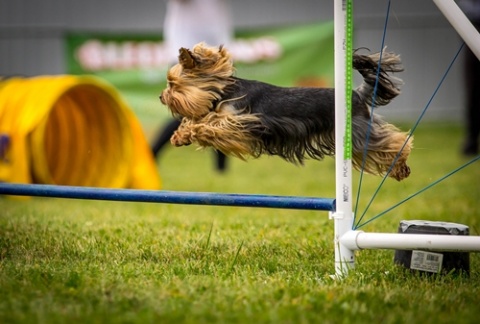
(344, 256)
(358, 240)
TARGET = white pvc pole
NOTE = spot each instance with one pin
(343, 217)
(357, 240)
(462, 25)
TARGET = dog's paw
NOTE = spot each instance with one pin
(180, 139)
(400, 171)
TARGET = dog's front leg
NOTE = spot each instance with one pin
(184, 134)
(229, 134)
(205, 131)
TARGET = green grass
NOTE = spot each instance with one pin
(95, 262)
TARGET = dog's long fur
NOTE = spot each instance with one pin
(250, 118)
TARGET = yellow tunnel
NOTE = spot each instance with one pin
(71, 130)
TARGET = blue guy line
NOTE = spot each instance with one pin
(412, 131)
(365, 151)
(420, 191)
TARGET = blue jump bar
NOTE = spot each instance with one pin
(169, 197)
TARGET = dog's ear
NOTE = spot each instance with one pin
(186, 59)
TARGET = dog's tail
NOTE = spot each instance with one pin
(388, 87)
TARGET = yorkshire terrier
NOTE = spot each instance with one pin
(242, 117)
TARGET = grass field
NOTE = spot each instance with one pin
(72, 261)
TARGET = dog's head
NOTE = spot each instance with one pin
(195, 85)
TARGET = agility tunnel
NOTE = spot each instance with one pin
(71, 130)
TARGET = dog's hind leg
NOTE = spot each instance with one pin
(387, 144)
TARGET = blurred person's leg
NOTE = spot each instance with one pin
(472, 88)
(164, 136)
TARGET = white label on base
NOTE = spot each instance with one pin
(426, 261)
